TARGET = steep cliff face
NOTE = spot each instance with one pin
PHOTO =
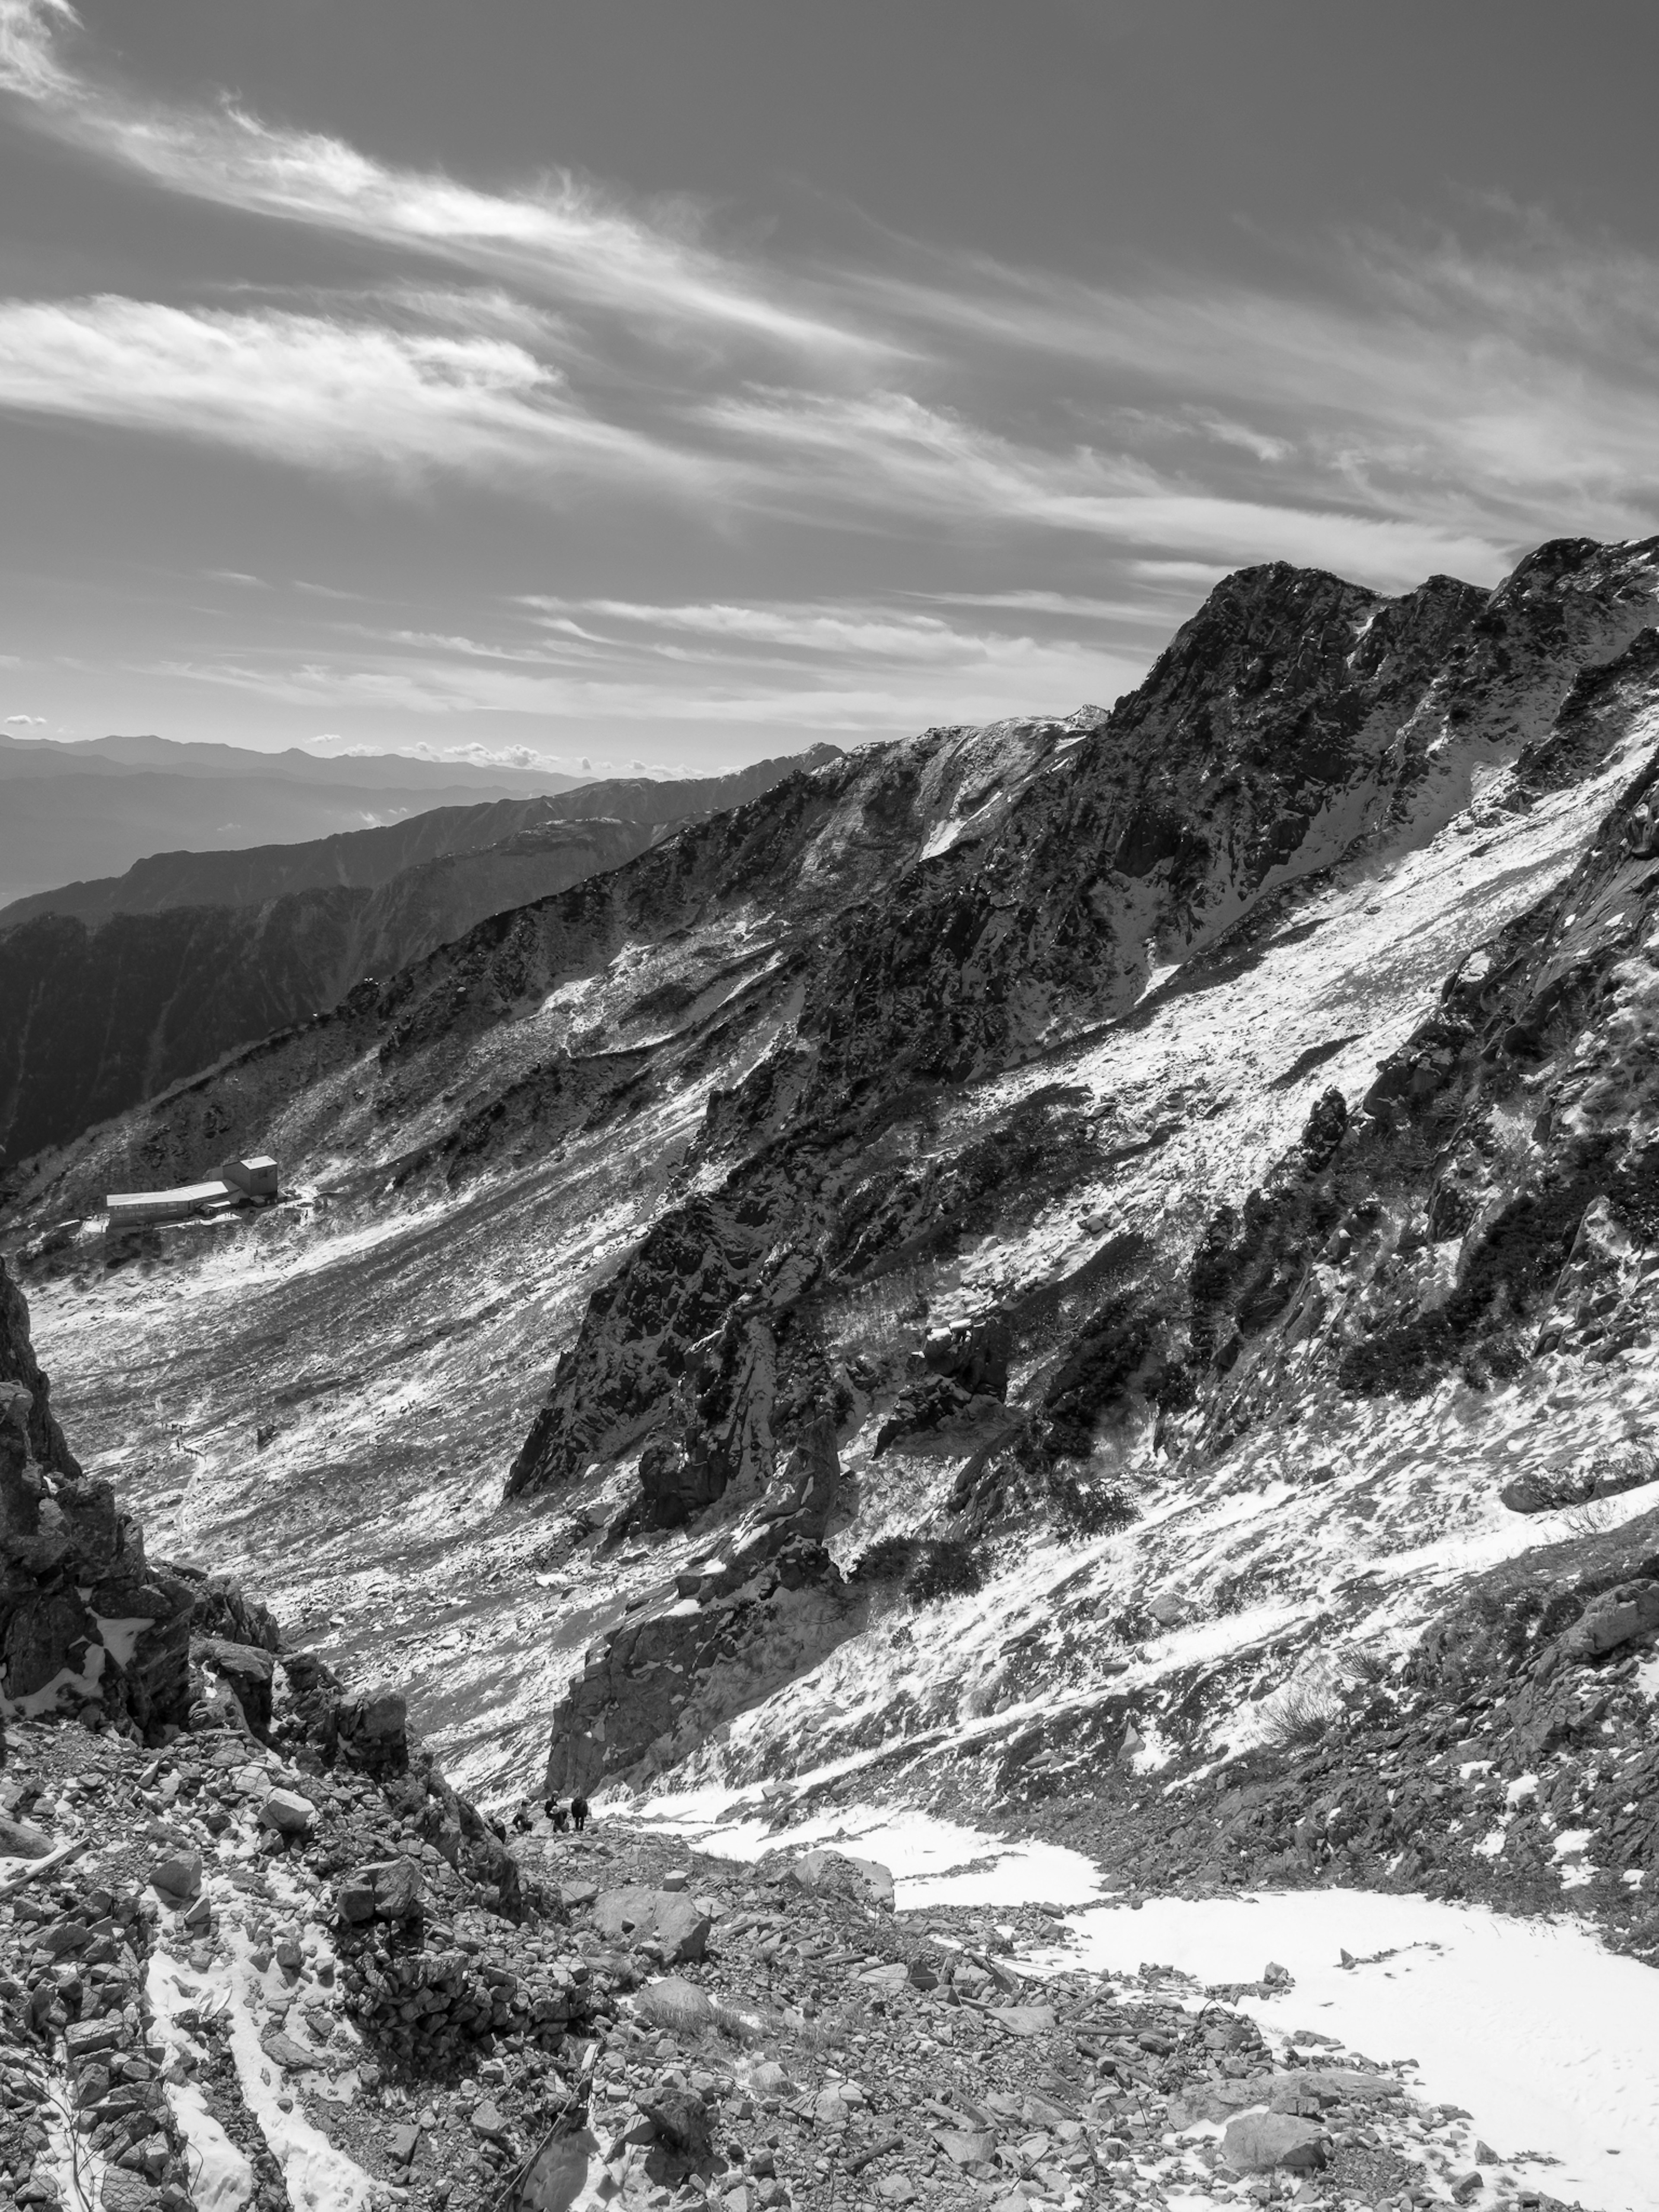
(21, 1370)
(1492, 1198)
(1295, 721)
(110, 993)
(975, 1113)
(84, 1620)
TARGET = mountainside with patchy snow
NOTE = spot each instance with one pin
(111, 991)
(1032, 1267)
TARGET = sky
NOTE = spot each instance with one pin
(638, 381)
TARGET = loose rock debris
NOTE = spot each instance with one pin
(209, 2009)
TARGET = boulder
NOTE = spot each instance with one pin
(224, 1609)
(680, 2119)
(1617, 1617)
(639, 1916)
(934, 1414)
(21, 1839)
(1296, 2091)
(386, 1889)
(626, 1912)
(249, 1672)
(839, 1873)
(288, 1814)
(122, 2191)
(680, 2006)
(371, 1730)
(681, 1930)
(964, 2147)
(1257, 2142)
(1334, 2085)
(1530, 1493)
(282, 2049)
(178, 1880)
(367, 1729)
(667, 1676)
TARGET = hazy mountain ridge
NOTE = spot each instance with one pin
(937, 1158)
(102, 758)
(95, 1016)
(366, 859)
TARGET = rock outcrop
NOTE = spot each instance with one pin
(84, 1619)
(672, 1676)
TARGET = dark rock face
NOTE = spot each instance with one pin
(83, 1618)
(1292, 719)
(249, 1671)
(1545, 1248)
(19, 1367)
(664, 1682)
(366, 1729)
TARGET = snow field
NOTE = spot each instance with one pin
(1549, 2042)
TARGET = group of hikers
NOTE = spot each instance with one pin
(563, 1817)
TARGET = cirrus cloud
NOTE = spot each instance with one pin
(307, 390)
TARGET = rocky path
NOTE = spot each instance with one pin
(266, 1975)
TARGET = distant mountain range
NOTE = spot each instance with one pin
(366, 859)
(112, 990)
(91, 808)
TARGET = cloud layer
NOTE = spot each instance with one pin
(1387, 408)
(309, 389)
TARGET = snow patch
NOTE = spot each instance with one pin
(932, 1862)
(221, 2178)
(1550, 2042)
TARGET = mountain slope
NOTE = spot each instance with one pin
(926, 1171)
(94, 1017)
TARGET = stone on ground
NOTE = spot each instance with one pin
(1257, 2142)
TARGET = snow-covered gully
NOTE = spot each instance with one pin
(1548, 2042)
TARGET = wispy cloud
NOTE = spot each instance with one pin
(1065, 606)
(891, 452)
(562, 236)
(1044, 473)
(1387, 410)
(833, 669)
(301, 389)
(28, 63)
(806, 632)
